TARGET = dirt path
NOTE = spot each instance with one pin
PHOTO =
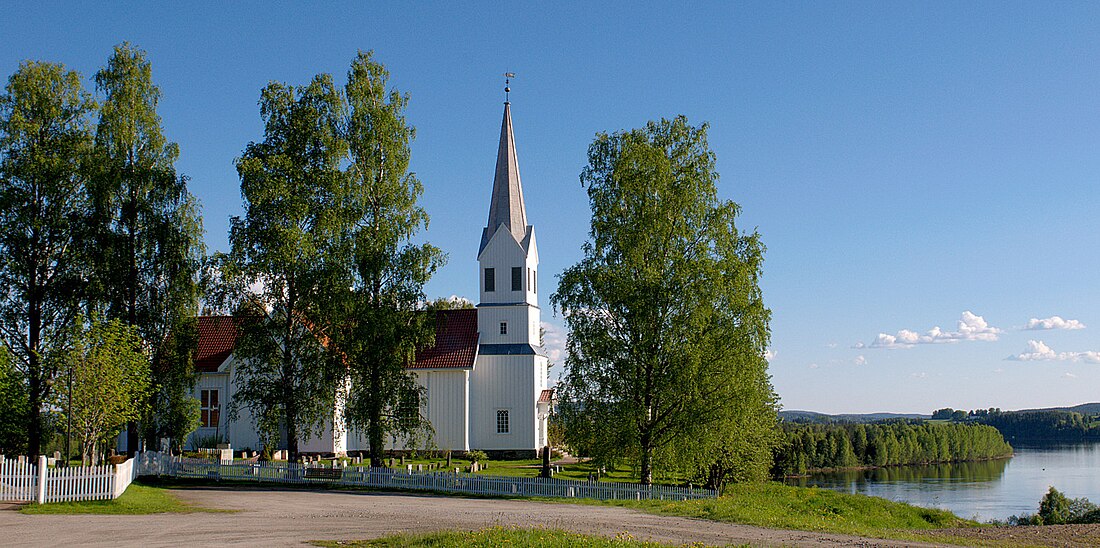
(289, 518)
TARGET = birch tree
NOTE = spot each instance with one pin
(379, 322)
(279, 261)
(45, 141)
(667, 324)
(109, 374)
(148, 237)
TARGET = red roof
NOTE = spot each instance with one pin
(217, 338)
(546, 395)
(455, 341)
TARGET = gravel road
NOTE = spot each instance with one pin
(269, 517)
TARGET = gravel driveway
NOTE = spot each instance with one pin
(270, 517)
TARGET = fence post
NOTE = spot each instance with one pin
(41, 479)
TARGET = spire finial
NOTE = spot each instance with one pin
(507, 80)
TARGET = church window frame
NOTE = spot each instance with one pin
(503, 328)
(504, 425)
(209, 408)
(408, 410)
(517, 278)
(490, 279)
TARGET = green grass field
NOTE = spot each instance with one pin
(497, 537)
(138, 499)
(780, 506)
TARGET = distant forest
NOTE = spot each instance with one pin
(1035, 426)
(809, 447)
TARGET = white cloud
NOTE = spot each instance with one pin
(971, 327)
(1069, 375)
(860, 360)
(553, 342)
(770, 354)
(1039, 351)
(460, 300)
(814, 366)
(920, 375)
(1053, 322)
(999, 370)
(830, 345)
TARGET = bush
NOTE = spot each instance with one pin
(477, 456)
(1054, 508)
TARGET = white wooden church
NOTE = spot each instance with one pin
(485, 379)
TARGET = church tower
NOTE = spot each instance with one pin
(510, 373)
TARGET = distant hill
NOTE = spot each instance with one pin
(1084, 409)
(795, 415)
(811, 416)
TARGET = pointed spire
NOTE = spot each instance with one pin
(506, 207)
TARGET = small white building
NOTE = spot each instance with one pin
(485, 379)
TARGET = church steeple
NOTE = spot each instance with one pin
(506, 205)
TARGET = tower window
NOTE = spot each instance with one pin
(490, 279)
(502, 421)
(503, 328)
(517, 278)
(534, 281)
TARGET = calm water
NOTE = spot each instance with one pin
(980, 490)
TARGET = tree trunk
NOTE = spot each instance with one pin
(35, 373)
(375, 432)
(647, 459)
(133, 439)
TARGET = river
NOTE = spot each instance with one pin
(979, 490)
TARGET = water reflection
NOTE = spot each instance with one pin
(959, 473)
(983, 490)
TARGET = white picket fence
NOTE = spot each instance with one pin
(26, 482)
(386, 478)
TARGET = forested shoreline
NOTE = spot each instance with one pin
(813, 447)
(1046, 426)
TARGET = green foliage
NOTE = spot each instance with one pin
(1050, 426)
(477, 456)
(276, 274)
(667, 325)
(453, 302)
(1054, 508)
(148, 237)
(377, 323)
(779, 506)
(107, 378)
(45, 144)
(137, 500)
(808, 447)
(13, 407)
(495, 537)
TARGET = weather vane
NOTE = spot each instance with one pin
(508, 80)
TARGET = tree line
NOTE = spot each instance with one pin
(809, 447)
(1047, 425)
(99, 251)
(102, 269)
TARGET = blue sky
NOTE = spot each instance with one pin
(909, 165)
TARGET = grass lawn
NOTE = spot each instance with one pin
(138, 499)
(780, 506)
(496, 537)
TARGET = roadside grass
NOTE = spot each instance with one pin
(780, 506)
(138, 499)
(772, 504)
(496, 537)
